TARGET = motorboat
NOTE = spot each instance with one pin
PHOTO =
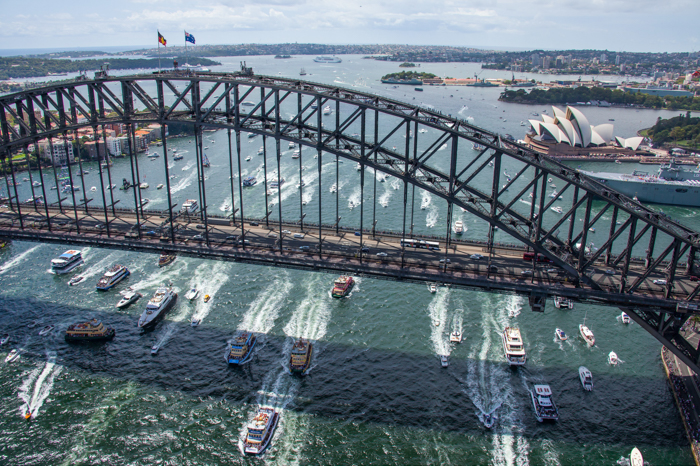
(459, 227)
(144, 185)
(300, 358)
(250, 181)
(561, 334)
(128, 298)
(166, 258)
(247, 159)
(92, 330)
(206, 298)
(160, 186)
(587, 335)
(613, 359)
(433, 288)
(291, 145)
(557, 209)
(241, 347)
(113, 276)
(444, 362)
(636, 458)
(513, 346)
(563, 303)
(542, 401)
(260, 431)
(456, 337)
(489, 420)
(192, 294)
(586, 378)
(67, 261)
(76, 280)
(154, 349)
(5, 338)
(296, 154)
(342, 286)
(625, 318)
(159, 305)
(145, 201)
(33, 324)
(195, 321)
(13, 356)
(46, 330)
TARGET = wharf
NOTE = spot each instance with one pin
(686, 393)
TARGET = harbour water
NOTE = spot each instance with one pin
(376, 392)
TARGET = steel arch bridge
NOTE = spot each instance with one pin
(640, 244)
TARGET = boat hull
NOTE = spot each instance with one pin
(677, 194)
(64, 270)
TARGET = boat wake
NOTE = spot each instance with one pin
(209, 280)
(311, 317)
(384, 198)
(426, 199)
(262, 312)
(432, 217)
(354, 199)
(513, 306)
(396, 184)
(19, 258)
(37, 386)
(188, 166)
(163, 275)
(183, 183)
(437, 309)
(101, 266)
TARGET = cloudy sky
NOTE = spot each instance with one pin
(620, 25)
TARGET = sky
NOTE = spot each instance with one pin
(616, 25)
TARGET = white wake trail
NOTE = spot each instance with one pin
(262, 312)
(19, 258)
(42, 384)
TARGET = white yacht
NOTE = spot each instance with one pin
(433, 288)
(587, 335)
(557, 209)
(542, 401)
(66, 262)
(459, 227)
(625, 318)
(563, 303)
(143, 185)
(636, 458)
(128, 297)
(113, 276)
(586, 378)
(291, 145)
(327, 110)
(13, 356)
(513, 346)
(456, 337)
(613, 359)
(159, 305)
(189, 206)
(192, 294)
(444, 362)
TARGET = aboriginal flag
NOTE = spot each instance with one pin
(161, 39)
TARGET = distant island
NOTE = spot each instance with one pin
(407, 65)
(408, 75)
(24, 67)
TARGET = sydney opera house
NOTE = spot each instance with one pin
(569, 134)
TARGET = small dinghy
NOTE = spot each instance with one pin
(128, 298)
(196, 321)
(75, 280)
(192, 294)
(5, 339)
(456, 337)
(613, 359)
(443, 360)
(13, 356)
(561, 334)
(155, 348)
(46, 330)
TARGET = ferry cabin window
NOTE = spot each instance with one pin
(681, 190)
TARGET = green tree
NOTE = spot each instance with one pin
(677, 133)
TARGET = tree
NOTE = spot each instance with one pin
(677, 133)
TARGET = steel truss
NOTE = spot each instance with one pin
(361, 128)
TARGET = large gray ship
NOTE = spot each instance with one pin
(673, 185)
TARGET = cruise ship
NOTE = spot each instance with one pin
(673, 185)
(92, 330)
(260, 431)
(342, 286)
(190, 206)
(159, 305)
(542, 401)
(112, 277)
(241, 347)
(323, 59)
(300, 359)
(250, 181)
(513, 347)
(67, 261)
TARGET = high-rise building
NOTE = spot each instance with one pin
(603, 58)
(617, 59)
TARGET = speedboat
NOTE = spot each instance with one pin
(587, 335)
(75, 280)
(33, 324)
(636, 458)
(66, 261)
(456, 337)
(192, 294)
(5, 339)
(92, 330)
(542, 401)
(128, 298)
(433, 288)
(561, 302)
(489, 420)
(195, 321)
(513, 347)
(300, 358)
(561, 335)
(113, 276)
(13, 356)
(206, 298)
(160, 186)
(241, 347)
(260, 431)
(443, 361)
(155, 348)
(625, 318)
(613, 359)
(46, 330)
(586, 378)
(159, 305)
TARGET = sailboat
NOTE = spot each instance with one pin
(302, 72)
(205, 160)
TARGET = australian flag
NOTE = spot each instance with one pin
(189, 37)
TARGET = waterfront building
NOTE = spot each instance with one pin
(59, 152)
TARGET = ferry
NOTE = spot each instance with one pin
(178, 156)
(545, 409)
(260, 431)
(459, 227)
(166, 258)
(561, 334)
(586, 378)
(587, 335)
(277, 184)
(66, 262)
(92, 330)
(513, 346)
(128, 298)
(300, 359)
(112, 277)
(563, 303)
(159, 305)
(190, 206)
(342, 286)
(250, 181)
(456, 337)
(327, 110)
(322, 59)
(241, 347)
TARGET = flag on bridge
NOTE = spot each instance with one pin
(189, 37)
(161, 39)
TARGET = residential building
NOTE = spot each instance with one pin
(59, 152)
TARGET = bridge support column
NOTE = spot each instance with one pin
(109, 171)
(689, 267)
(43, 185)
(164, 140)
(102, 181)
(650, 249)
(70, 178)
(136, 186)
(240, 182)
(55, 177)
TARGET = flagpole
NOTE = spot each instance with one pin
(158, 52)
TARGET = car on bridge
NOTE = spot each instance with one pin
(151, 233)
(660, 282)
(526, 273)
(299, 235)
(198, 238)
(493, 268)
(445, 261)
(286, 232)
(199, 226)
(382, 254)
(610, 272)
(232, 238)
(476, 257)
(364, 249)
